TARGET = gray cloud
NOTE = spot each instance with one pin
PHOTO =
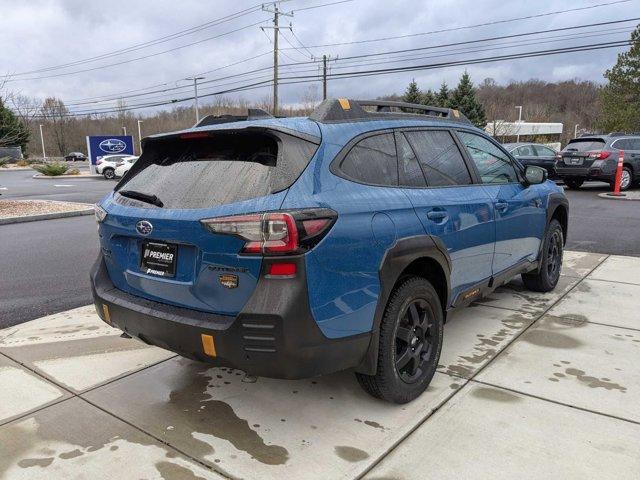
(42, 33)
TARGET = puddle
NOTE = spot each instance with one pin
(371, 423)
(351, 454)
(495, 395)
(172, 471)
(550, 333)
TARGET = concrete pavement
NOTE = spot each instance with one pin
(530, 385)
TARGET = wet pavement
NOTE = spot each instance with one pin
(529, 385)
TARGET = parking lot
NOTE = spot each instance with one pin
(547, 381)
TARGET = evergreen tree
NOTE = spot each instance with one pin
(412, 94)
(12, 131)
(621, 96)
(428, 98)
(442, 97)
(463, 98)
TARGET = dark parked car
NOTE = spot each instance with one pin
(295, 247)
(595, 157)
(75, 157)
(534, 154)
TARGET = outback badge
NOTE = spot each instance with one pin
(228, 280)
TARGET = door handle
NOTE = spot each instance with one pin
(501, 206)
(437, 215)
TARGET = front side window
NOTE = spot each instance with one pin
(373, 161)
(439, 158)
(409, 172)
(544, 151)
(492, 163)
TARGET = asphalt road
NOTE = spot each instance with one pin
(20, 184)
(600, 225)
(44, 265)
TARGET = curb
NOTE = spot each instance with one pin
(623, 196)
(39, 176)
(46, 216)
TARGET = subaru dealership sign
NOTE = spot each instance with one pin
(99, 146)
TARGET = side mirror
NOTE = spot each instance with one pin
(535, 175)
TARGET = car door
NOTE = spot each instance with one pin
(520, 215)
(633, 157)
(435, 177)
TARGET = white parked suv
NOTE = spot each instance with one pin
(106, 166)
(124, 166)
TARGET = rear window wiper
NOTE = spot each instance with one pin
(143, 197)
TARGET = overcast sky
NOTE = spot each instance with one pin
(38, 34)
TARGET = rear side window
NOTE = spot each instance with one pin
(542, 151)
(372, 161)
(225, 167)
(584, 145)
(494, 166)
(627, 144)
(439, 157)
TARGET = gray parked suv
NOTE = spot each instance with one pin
(595, 157)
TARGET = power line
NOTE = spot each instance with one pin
(366, 57)
(370, 72)
(149, 43)
(465, 27)
(137, 58)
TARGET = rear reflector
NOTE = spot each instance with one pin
(282, 269)
(208, 345)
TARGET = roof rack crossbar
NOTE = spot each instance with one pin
(336, 110)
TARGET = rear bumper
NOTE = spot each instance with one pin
(586, 174)
(274, 335)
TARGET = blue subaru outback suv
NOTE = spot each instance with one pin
(294, 247)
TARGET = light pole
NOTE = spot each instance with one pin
(124, 130)
(139, 137)
(575, 130)
(519, 107)
(44, 155)
(195, 91)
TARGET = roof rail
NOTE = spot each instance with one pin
(344, 110)
(252, 114)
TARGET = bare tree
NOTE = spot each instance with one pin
(57, 116)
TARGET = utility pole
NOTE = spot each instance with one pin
(276, 29)
(519, 107)
(139, 137)
(44, 155)
(195, 97)
(124, 130)
(324, 77)
(575, 130)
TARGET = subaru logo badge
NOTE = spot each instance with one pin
(112, 145)
(144, 227)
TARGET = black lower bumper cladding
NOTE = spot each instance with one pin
(274, 335)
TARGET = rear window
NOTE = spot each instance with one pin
(226, 167)
(584, 145)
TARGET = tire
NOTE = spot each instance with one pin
(573, 183)
(546, 277)
(627, 179)
(413, 320)
(109, 173)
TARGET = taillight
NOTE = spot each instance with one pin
(599, 155)
(275, 233)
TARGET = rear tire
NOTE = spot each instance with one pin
(109, 173)
(573, 183)
(410, 339)
(546, 277)
(627, 179)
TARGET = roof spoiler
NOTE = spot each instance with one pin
(252, 114)
(343, 110)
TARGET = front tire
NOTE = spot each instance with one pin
(573, 183)
(546, 277)
(410, 342)
(109, 173)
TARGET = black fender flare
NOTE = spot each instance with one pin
(556, 200)
(394, 261)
